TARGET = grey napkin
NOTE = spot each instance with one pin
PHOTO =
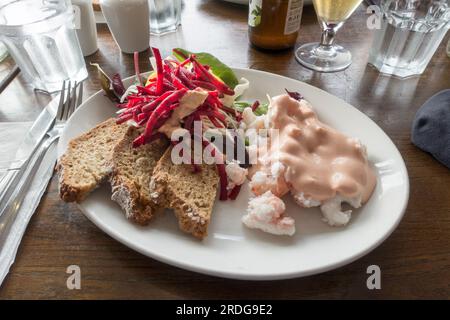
(431, 127)
(12, 135)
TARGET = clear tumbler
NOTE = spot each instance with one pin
(41, 38)
(165, 16)
(409, 33)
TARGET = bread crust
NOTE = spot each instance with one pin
(132, 169)
(190, 195)
(87, 160)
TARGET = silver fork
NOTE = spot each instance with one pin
(65, 110)
(13, 176)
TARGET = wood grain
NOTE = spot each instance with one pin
(415, 260)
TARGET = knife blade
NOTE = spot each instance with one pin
(35, 134)
(29, 145)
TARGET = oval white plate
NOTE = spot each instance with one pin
(231, 250)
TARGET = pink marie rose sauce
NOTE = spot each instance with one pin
(318, 161)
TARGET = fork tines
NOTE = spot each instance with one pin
(70, 99)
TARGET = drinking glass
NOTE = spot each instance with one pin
(409, 34)
(327, 56)
(165, 16)
(41, 38)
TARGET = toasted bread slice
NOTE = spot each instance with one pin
(132, 169)
(190, 194)
(87, 160)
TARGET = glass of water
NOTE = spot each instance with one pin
(165, 16)
(41, 38)
(409, 34)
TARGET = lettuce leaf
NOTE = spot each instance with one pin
(219, 69)
(241, 105)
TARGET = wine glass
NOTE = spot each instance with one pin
(327, 56)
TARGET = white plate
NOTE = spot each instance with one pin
(231, 250)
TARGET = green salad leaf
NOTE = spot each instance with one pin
(220, 69)
(241, 105)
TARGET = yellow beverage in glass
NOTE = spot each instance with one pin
(333, 11)
(326, 56)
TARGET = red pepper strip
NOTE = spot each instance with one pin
(218, 115)
(152, 105)
(234, 192)
(181, 54)
(199, 74)
(168, 85)
(184, 79)
(215, 121)
(164, 116)
(144, 90)
(132, 110)
(168, 66)
(167, 71)
(136, 67)
(221, 86)
(205, 85)
(159, 71)
(124, 118)
(255, 105)
(188, 73)
(214, 94)
(178, 83)
(142, 98)
(141, 116)
(164, 106)
(185, 62)
(221, 170)
(139, 141)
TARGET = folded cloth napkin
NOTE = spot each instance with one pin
(431, 127)
(10, 244)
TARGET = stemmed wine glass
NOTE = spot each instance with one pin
(327, 56)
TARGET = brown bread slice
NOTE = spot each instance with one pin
(132, 169)
(87, 160)
(191, 195)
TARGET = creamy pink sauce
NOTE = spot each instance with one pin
(319, 161)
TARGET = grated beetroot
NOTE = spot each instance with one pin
(154, 103)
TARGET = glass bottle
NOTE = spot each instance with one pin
(274, 24)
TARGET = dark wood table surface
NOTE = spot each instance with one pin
(414, 260)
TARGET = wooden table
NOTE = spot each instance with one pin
(415, 260)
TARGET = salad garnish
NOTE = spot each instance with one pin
(151, 104)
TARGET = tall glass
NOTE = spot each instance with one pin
(325, 56)
(41, 38)
(165, 16)
(409, 34)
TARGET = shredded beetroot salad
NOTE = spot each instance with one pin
(151, 105)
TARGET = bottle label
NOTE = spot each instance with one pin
(293, 16)
(254, 13)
